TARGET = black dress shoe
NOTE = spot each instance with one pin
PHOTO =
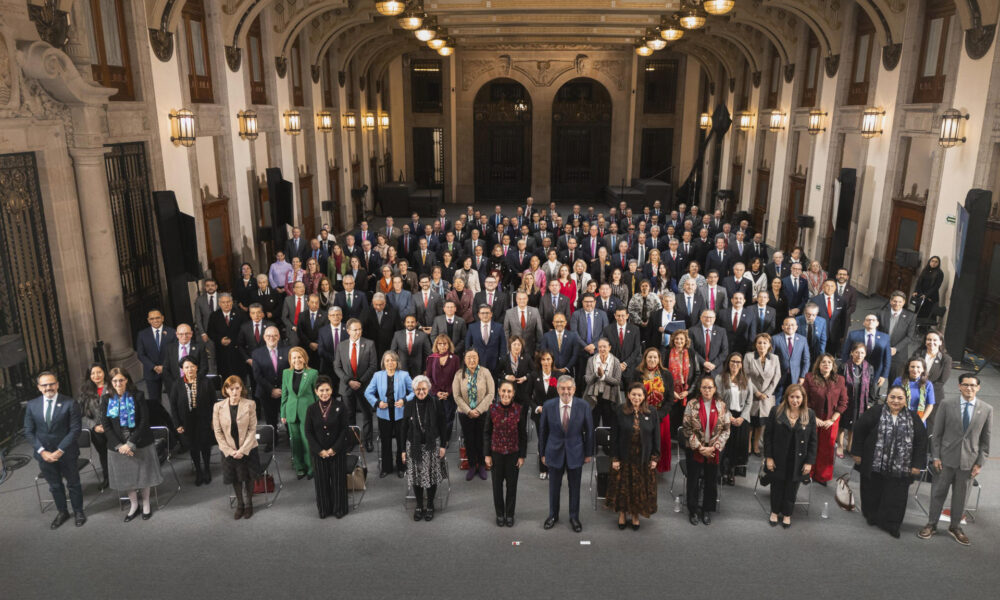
(206, 478)
(103, 486)
(197, 480)
(622, 526)
(501, 522)
(693, 518)
(131, 517)
(635, 527)
(785, 525)
(550, 522)
(81, 519)
(706, 518)
(772, 523)
(149, 515)
(309, 476)
(575, 524)
(381, 475)
(418, 514)
(510, 521)
(429, 514)
(369, 447)
(59, 520)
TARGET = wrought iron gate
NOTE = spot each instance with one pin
(28, 305)
(135, 239)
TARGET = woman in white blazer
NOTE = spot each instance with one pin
(764, 372)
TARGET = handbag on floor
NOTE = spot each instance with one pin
(263, 485)
(844, 495)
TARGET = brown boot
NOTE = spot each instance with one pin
(239, 513)
(248, 512)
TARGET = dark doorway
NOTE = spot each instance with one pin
(760, 198)
(905, 231)
(581, 140)
(657, 143)
(428, 157)
(796, 203)
(985, 337)
(502, 113)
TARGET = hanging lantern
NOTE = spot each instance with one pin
(368, 122)
(692, 20)
(437, 43)
(448, 49)
(246, 121)
(383, 121)
(182, 127)
(349, 121)
(745, 119)
(871, 122)
(777, 121)
(412, 19)
(293, 122)
(389, 8)
(324, 121)
(718, 7)
(705, 121)
(655, 42)
(816, 121)
(427, 30)
(642, 49)
(951, 122)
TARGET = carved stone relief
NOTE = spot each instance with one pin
(541, 73)
(8, 79)
(832, 64)
(280, 66)
(978, 40)
(233, 58)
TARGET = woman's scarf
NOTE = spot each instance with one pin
(893, 444)
(866, 373)
(921, 400)
(654, 389)
(709, 418)
(471, 389)
(680, 366)
(123, 409)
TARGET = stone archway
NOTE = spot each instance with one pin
(502, 141)
(581, 140)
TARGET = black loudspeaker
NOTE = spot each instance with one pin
(961, 312)
(806, 221)
(908, 259)
(12, 351)
(326, 205)
(279, 193)
(179, 246)
(842, 220)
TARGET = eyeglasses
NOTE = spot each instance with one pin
(968, 385)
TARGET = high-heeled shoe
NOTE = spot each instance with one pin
(635, 527)
(786, 525)
(131, 517)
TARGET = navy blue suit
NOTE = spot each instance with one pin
(793, 367)
(60, 433)
(150, 356)
(490, 351)
(820, 333)
(565, 450)
(880, 358)
(566, 357)
(796, 298)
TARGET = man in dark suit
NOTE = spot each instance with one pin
(793, 354)
(150, 345)
(736, 282)
(316, 253)
(451, 325)
(719, 259)
(690, 303)
(877, 345)
(565, 444)
(469, 248)
(486, 337)
(590, 244)
(371, 261)
(738, 323)
(311, 322)
(703, 245)
(625, 338)
(519, 259)
(777, 268)
(413, 347)
(423, 258)
(491, 296)
(900, 324)
(674, 259)
(224, 331)
(796, 289)
(607, 302)
(848, 294)
(381, 323)
(587, 323)
(764, 317)
(355, 364)
(351, 301)
(443, 220)
(268, 363)
(291, 312)
(183, 346)
(710, 342)
(326, 243)
(450, 244)
(251, 335)
(563, 344)
(740, 250)
(757, 248)
(831, 308)
(551, 304)
(52, 424)
(269, 300)
(328, 340)
(204, 305)
(657, 332)
(571, 253)
(815, 329)
(296, 246)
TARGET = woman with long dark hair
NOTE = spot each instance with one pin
(92, 392)
(926, 292)
(658, 384)
(862, 391)
(544, 388)
(826, 394)
(763, 369)
(684, 365)
(442, 365)
(328, 434)
(635, 455)
(789, 451)
(706, 431)
(919, 392)
(737, 391)
(505, 445)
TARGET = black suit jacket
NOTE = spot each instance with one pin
(547, 312)
(358, 304)
(269, 302)
(722, 265)
(171, 362)
(309, 333)
(770, 324)
(499, 305)
(149, 355)
(719, 349)
(302, 252)
(698, 305)
(741, 338)
(227, 358)
(772, 271)
(247, 342)
(649, 435)
(413, 362)
(631, 351)
(264, 375)
(743, 286)
(381, 332)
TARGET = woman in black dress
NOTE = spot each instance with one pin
(328, 435)
(497, 265)
(926, 293)
(635, 452)
(778, 301)
(192, 401)
(91, 395)
(543, 388)
(234, 421)
(516, 368)
(790, 442)
(862, 392)
(423, 425)
(505, 444)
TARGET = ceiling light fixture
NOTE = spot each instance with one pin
(389, 8)
(718, 7)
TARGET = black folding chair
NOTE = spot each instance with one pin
(85, 460)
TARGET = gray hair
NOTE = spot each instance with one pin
(566, 379)
(668, 296)
(334, 309)
(378, 296)
(421, 379)
(225, 295)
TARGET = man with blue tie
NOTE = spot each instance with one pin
(149, 346)
(587, 324)
(876, 344)
(793, 355)
(52, 424)
(565, 443)
(815, 328)
(960, 445)
(486, 337)
(796, 289)
(765, 316)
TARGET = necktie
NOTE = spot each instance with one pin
(524, 323)
(184, 350)
(621, 337)
(298, 307)
(571, 256)
(256, 332)
(811, 333)
(555, 302)
(409, 342)
(790, 345)
(871, 343)
(590, 328)
(336, 338)
(829, 307)
(156, 334)
(211, 303)
(559, 341)
(708, 343)
(425, 299)
(736, 320)
(316, 254)
(486, 333)
(623, 261)
(840, 290)
(565, 417)
(489, 298)
(762, 317)
(520, 258)
(795, 284)
(49, 403)
(274, 360)
(227, 319)
(711, 298)
(354, 358)
(350, 297)
(593, 246)
(690, 308)
(966, 416)
(892, 322)
(720, 255)
(312, 319)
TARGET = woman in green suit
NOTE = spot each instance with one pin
(296, 397)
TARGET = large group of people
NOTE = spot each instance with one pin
(615, 332)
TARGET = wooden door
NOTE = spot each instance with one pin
(338, 218)
(581, 140)
(796, 202)
(760, 198)
(986, 332)
(308, 211)
(217, 241)
(905, 229)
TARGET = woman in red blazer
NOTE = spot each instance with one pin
(827, 396)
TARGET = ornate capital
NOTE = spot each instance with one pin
(832, 64)
(890, 55)
(234, 57)
(55, 71)
(52, 24)
(281, 66)
(162, 42)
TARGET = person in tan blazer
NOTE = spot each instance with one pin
(473, 390)
(763, 370)
(234, 421)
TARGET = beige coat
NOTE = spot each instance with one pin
(246, 422)
(485, 390)
(764, 379)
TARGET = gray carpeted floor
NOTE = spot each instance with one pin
(193, 549)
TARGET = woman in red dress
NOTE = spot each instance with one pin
(827, 396)
(567, 287)
(658, 382)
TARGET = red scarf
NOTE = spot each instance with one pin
(712, 418)
(679, 369)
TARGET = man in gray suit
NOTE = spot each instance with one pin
(451, 325)
(901, 325)
(204, 305)
(960, 445)
(355, 364)
(551, 304)
(531, 329)
(291, 312)
(427, 304)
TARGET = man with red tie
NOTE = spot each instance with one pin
(294, 306)
(832, 308)
(710, 342)
(268, 363)
(224, 329)
(355, 365)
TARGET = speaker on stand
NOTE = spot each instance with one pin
(804, 222)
